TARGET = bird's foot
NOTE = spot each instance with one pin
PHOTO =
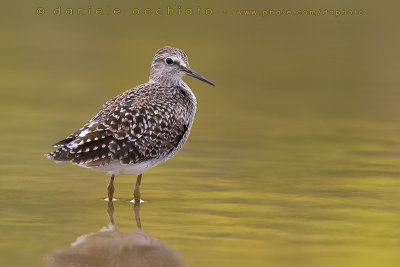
(108, 199)
(134, 201)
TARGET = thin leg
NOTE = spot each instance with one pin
(136, 193)
(110, 188)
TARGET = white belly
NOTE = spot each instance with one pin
(115, 167)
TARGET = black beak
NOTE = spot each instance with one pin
(192, 73)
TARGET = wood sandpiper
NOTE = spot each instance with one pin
(139, 128)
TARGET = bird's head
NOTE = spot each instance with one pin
(169, 65)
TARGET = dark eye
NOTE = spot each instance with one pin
(169, 61)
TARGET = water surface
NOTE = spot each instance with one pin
(293, 159)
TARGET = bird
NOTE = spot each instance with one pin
(140, 128)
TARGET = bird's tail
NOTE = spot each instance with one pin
(59, 155)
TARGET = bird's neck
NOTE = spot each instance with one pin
(176, 81)
(165, 80)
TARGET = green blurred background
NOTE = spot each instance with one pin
(293, 159)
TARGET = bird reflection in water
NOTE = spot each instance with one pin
(111, 248)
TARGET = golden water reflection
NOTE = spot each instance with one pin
(111, 247)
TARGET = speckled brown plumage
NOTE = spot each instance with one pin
(146, 122)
